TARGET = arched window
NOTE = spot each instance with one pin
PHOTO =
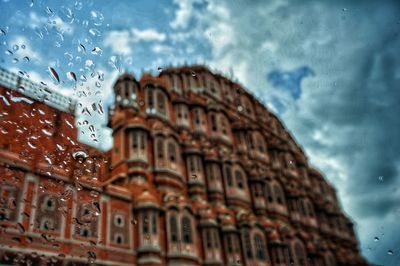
(160, 148)
(278, 194)
(224, 124)
(171, 151)
(268, 192)
(229, 243)
(260, 247)
(300, 255)
(216, 238)
(145, 223)
(239, 179)
(213, 122)
(186, 230)
(161, 104)
(173, 225)
(150, 99)
(154, 222)
(247, 245)
(228, 174)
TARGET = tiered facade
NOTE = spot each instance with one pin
(200, 173)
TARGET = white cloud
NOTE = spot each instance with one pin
(25, 49)
(119, 41)
(148, 35)
(183, 14)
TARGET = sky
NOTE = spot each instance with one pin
(329, 69)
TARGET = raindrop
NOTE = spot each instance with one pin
(15, 60)
(49, 11)
(78, 5)
(21, 228)
(98, 84)
(68, 55)
(193, 74)
(97, 51)
(344, 9)
(3, 32)
(23, 46)
(240, 108)
(390, 252)
(71, 76)
(376, 239)
(95, 32)
(26, 59)
(80, 154)
(31, 4)
(97, 17)
(82, 48)
(380, 178)
(8, 52)
(54, 74)
(15, 47)
(160, 69)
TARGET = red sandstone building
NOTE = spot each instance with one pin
(200, 173)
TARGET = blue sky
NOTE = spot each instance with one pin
(331, 69)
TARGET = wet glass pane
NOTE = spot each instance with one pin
(199, 132)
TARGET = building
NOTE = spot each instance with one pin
(200, 173)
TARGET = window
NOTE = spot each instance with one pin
(197, 116)
(278, 194)
(224, 125)
(49, 203)
(213, 122)
(119, 238)
(47, 224)
(161, 105)
(208, 238)
(173, 225)
(160, 149)
(228, 174)
(154, 223)
(171, 151)
(84, 232)
(299, 251)
(247, 245)
(186, 230)
(216, 238)
(239, 179)
(229, 245)
(134, 139)
(150, 98)
(145, 223)
(260, 247)
(119, 220)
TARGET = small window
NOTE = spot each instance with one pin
(173, 225)
(278, 194)
(160, 149)
(239, 179)
(216, 238)
(213, 122)
(247, 245)
(119, 220)
(172, 151)
(229, 241)
(186, 230)
(145, 223)
(228, 174)
(154, 223)
(208, 238)
(134, 139)
(260, 247)
(150, 98)
(84, 232)
(119, 239)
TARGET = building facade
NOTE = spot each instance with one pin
(200, 173)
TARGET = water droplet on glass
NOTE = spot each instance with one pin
(376, 239)
(15, 60)
(21, 228)
(97, 51)
(344, 9)
(380, 178)
(240, 108)
(8, 52)
(80, 154)
(78, 5)
(193, 74)
(97, 17)
(26, 59)
(15, 47)
(71, 76)
(160, 69)
(54, 74)
(95, 32)
(390, 252)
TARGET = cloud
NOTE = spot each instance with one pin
(25, 49)
(148, 35)
(118, 41)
